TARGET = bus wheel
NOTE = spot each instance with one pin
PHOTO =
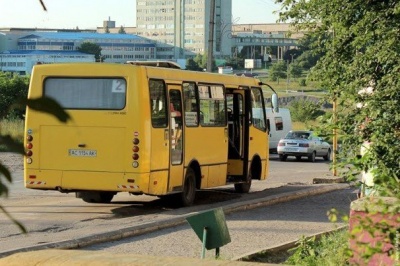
(189, 188)
(106, 197)
(244, 187)
(95, 197)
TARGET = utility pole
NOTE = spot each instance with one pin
(211, 37)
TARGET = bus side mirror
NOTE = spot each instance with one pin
(275, 103)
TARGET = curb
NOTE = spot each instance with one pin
(171, 222)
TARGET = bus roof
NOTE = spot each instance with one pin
(167, 64)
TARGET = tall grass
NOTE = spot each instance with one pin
(14, 128)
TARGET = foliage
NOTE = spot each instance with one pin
(360, 69)
(277, 71)
(359, 43)
(303, 110)
(331, 249)
(309, 54)
(199, 62)
(375, 231)
(91, 48)
(192, 65)
(12, 87)
(121, 30)
(295, 70)
(291, 55)
(236, 63)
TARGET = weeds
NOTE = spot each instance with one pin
(331, 249)
(14, 128)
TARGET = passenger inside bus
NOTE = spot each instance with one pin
(176, 127)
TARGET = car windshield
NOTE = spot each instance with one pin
(297, 135)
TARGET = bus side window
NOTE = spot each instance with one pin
(212, 105)
(190, 105)
(158, 103)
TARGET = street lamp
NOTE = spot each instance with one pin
(287, 71)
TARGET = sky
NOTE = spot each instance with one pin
(90, 14)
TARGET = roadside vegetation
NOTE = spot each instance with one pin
(358, 66)
(330, 249)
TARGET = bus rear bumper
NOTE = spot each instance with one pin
(73, 181)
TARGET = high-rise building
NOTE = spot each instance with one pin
(181, 27)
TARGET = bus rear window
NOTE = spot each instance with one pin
(87, 93)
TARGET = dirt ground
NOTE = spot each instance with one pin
(12, 161)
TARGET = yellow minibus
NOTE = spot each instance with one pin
(144, 129)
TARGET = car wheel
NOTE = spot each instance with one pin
(327, 157)
(311, 157)
(282, 157)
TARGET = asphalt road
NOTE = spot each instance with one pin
(60, 220)
(250, 230)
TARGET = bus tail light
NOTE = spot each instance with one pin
(135, 149)
(29, 146)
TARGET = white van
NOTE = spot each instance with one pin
(280, 124)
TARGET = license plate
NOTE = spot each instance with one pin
(82, 153)
(290, 149)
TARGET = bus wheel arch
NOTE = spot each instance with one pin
(255, 169)
(197, 171)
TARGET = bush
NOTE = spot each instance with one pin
(331, 249)
(13, 88)
(304, 110)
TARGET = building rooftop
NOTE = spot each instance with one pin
(41, 52)
(80, 35)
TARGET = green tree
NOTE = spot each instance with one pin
(360, 69)
(295, 70)
(201, 61)
(303, 110)
(13, 87)
(309, 52)
(277, 71)
(121, 30)
(106, 29)
(359, 43)
(291, 54)
(192, 65)
(91, 48)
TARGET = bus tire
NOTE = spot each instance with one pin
(189, 188)
(244, 187)
(95, 197)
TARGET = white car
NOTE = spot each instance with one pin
(299, 143)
